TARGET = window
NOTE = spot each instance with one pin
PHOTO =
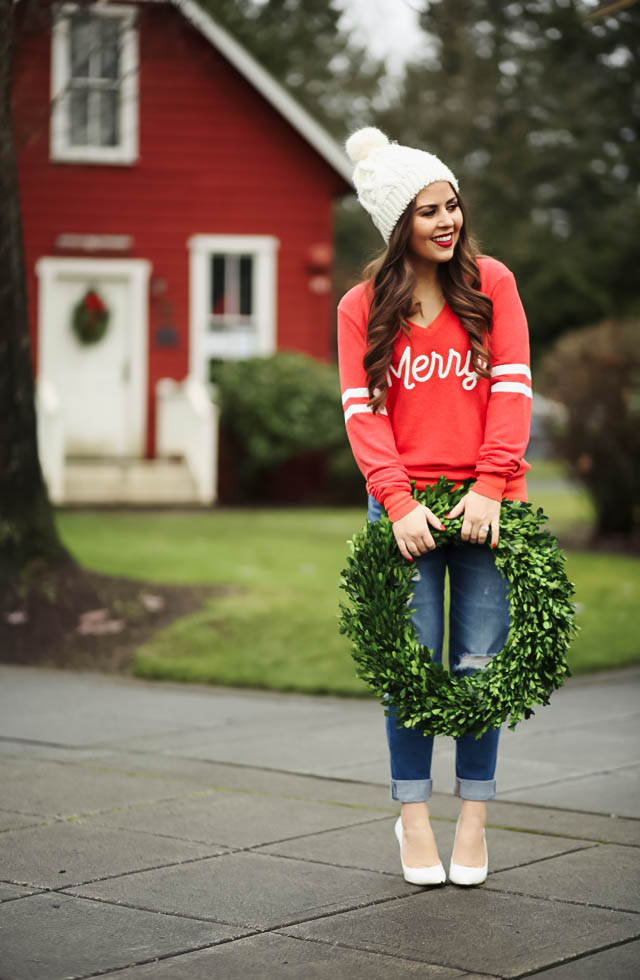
(232, 298)
(94, 81)
(231, 291)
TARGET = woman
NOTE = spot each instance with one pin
(434, 368)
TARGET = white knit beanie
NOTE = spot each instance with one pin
(388, 176)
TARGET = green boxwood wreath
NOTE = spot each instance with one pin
(90, 318)
(390, 658)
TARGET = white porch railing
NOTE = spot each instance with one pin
(187, 426)
(50, 432)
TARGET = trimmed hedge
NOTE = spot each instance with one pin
(280, 412)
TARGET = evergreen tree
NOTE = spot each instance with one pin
(301, 44)
(535, 105)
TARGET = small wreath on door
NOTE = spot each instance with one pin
(401, 672)
(90, 318)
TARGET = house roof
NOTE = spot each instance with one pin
(267, 86)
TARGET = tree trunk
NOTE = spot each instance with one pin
(27, 527)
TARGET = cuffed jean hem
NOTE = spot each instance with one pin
(411, 790)
(474, 789)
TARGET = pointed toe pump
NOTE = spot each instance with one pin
(433, 875)
(461, 874)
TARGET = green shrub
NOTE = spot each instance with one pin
(345, 483)
(277, 409)
(595, 373)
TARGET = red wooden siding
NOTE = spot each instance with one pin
(215, 158)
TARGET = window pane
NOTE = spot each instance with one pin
(231, 284)
(79, 117)
(94, 100)
(108, 64)
(217, 284)
(246, 284)
(83, 42)
(109, 122)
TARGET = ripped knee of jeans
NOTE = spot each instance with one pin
(474, 661)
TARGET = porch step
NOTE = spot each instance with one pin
(128, 481)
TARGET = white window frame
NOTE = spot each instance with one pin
(61, 149)
(202, 341)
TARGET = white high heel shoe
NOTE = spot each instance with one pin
(433, 875)
(462, 874)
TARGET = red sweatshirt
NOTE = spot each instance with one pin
(440, 418)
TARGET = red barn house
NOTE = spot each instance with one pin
(177, 208)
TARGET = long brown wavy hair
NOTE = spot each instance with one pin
(391, 277)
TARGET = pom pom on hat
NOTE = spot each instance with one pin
(389, 179)
(363, 141)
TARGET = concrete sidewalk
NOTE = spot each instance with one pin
(161, 831)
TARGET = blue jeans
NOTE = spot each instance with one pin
(479, 622)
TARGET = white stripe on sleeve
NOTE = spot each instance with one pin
(512, 386)
(355, 393)
(356, 409)
(510, 369)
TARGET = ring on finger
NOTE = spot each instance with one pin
(485, 528)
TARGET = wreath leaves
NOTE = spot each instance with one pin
(390, 658)
(90, 318)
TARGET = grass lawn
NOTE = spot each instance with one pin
(279, 630)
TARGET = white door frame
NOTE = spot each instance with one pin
(137, 271)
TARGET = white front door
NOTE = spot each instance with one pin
(101, 386)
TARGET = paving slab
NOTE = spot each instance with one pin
(475, 929)
(82, 707)
(373, 847)
(620, 963)
(202, 774)
(582, 746)
(10, 891)
(196, 774)
(12, 746)
(235, 819)
(12, 820)
(54, 789)
(318, 743)
(271, 956)
(562, 822)
(251, 890)
(605, 875)
(581, 741)
(300, 784)
(608, 694)
(251, 728)
(510, 773)
(71, 852)
(616, 793)
(51, 936)
(376, 770)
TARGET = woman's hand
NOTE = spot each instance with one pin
(480, 514)
(412, 531)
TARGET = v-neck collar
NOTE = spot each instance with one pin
(431, 327)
